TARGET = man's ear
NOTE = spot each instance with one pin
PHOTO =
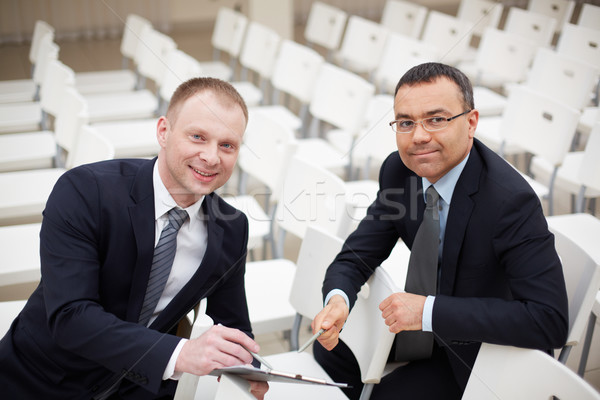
(162, 130)
(473, 119)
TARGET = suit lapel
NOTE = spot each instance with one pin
(141, 214)
(461, 207)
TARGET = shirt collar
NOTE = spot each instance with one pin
(163, 201)
(446, 184)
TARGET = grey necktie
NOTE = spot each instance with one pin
(422, 278)
(164, 253)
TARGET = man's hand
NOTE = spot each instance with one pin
(216, 348)
(258, 389)
(331, 318)
(403, 312)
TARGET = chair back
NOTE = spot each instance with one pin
(589, 16)
(296, 69)
(73, 115)
(90, 147)
(404, 17)
(317, 251)
(560, 10)
(589, 173)
(325, 25)
(562, 77)
(260, 49)
(180, 68)
(362, 45)
(505, 372)
(400, 54)
(47, 52)
(132, 31)
(151, 54)
(481, 13)
(538, 124)
(580, 42)
(341, 98)
(536, 27)
(366, 333)
(40, 30)
(449, 34)
(268, 149)
(58, 78)
(311, 194)
(229, 30)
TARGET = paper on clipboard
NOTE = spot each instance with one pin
(256, 374)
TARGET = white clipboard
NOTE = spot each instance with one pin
(251, 373)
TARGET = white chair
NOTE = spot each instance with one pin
(8, 312)
(25, 193)
(505, 372)
(19, 90)
(399, 55)
(20, 249)
(325, 26)
(362, 45)
(340, 99)
(258, 56)
(123, 79)
(297, 291)
(560, 10)
(451, 35)
(538, 28)
(310, 195)
(537, 124)
(404, 17)
(227, 38)
(580, 42)
(589, 16)
(366, 335)
(294, 75)
(481, 13)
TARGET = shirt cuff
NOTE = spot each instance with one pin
(428, 314)
(333, 293)
(170, 370)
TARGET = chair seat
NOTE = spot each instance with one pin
(17, 90)
(20, 117)
(24, 193)
(8, 312)
(360, 194)
(488, 131)
(567, 176)
(131, 138)
(259, 222)
(121, 80)
(488, 102)
(216, 69)
(251, 94)
(282, 115)
(265, 314)
(589, 117)
(19, 246)
(30, 150)
(121, 106)
(320, 152)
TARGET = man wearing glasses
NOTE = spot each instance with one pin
(494, 273)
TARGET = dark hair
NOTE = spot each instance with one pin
(429, 72)
(196, 85)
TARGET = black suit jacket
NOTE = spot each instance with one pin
(501, 279)
(78, 332)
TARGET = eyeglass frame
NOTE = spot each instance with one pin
(448, 120)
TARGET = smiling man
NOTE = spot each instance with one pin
(490, 272)
(128, 248)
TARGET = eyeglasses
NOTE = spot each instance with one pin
(429, 124)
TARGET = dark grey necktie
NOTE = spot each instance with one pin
(422, 278)
(164, 253)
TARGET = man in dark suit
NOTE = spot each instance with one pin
(499, 278)
(80, 336)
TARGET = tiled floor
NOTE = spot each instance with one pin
(88, 55)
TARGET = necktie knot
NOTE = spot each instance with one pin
(432, 197)
(177, 217)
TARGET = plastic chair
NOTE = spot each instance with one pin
(505, 372)
(538, 28)
(227, 38)
(589, 16)
(580, 42)
(8, 312)
(25, 192)
(399, 55)
(481, 13)
(294, 75)
(310, 195)
(366, 335)
(19, 90)
(117, 80)
(537, 124)
(20, 249)
(258, 56)
(362, 45)
(325, 26)
(404, 17)
(449, 34)
(560, 10)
